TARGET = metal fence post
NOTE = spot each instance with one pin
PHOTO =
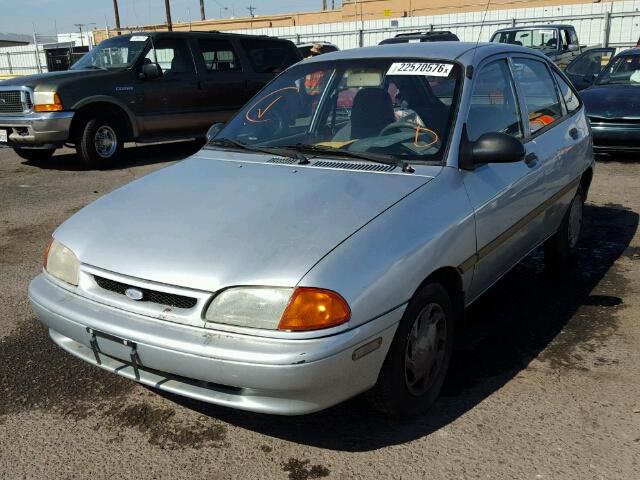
(37, 52)
(361, 38)
(9, 63)
(606, 30)
(513, 22)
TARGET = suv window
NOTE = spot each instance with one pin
(570, 97)
(172, 54)
(268, 56)
(540, 95)
(218, 55)
(493, 103)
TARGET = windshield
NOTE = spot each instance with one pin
(532, 38)
(114, 53)
(623, 70)
(401, 109)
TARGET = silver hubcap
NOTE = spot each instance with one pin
(106, 141)
(575, 221)
(425, 350)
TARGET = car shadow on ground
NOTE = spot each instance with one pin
(518, 320)
(133, 156)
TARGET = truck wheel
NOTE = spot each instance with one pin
(35, 154)
(563, 245)
(100, 142)
(418, 358)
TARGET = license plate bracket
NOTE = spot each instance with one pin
(133, 348)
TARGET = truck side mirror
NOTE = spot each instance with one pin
(151, 71)
(573, 48)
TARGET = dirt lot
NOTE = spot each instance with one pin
(545, 383)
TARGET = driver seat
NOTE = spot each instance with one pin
(372, 111)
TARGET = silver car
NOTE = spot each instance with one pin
(328, 239)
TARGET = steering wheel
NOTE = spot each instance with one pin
(412, 126)
(398, 126)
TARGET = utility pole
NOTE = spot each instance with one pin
(202, 15)
(251, 9)
(324, 5)
(117, 14)
(167, 8)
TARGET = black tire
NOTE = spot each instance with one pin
(394, 394)
(107, 129)
(563, 245)
(35, 154)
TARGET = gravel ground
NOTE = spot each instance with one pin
(545, 382)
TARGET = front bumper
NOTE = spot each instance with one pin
(278, 376)
(37, 130)
(610, 136)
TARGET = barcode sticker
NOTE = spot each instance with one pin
(138, 38)
(418, 68)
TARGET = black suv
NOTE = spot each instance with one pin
(142, 87)
(440, 36)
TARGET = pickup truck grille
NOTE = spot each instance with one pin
(14, 101)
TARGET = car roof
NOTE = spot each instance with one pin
(211, 33)
(628, 52)
(529, 27)
(467, 53)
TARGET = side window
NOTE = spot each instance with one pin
(570, 97)
(573, 38)
(172, 54)
(218, 55)
(493, 103)
(540, 95)
(268, 56)
(590, 62)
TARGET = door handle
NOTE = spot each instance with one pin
(531, 159)
(574, 133)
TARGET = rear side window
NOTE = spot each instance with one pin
(218, 55)
(493, 103)
(540, 95)
(570, 97)
(268, 56)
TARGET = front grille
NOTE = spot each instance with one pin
(11, 101)
(368, 167)
(153, 296)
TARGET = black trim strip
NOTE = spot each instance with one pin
(511, 231)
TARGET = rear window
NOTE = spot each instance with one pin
(268, 56)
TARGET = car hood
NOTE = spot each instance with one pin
(207, 223)
(52, 80)
(612, 101)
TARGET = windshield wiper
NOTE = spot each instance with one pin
(373, 157)
(280, 151)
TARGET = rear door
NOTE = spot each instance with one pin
(222, 80)
(583, 70)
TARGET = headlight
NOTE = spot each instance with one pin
(61, 262)
(270, 308)
(46, 102)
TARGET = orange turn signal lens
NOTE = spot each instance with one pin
(51, 106)
(313, 309)
(46, 253)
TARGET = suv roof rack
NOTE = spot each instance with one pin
(426, 34)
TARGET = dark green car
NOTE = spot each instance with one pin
(143, 87)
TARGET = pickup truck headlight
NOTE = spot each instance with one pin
(61, 262)
(275, 308)
(46, 102)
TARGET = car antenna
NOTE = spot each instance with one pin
(469, 71)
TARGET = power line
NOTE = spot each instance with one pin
(251, 9)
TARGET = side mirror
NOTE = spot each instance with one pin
(573, 47)
(151, 71)
(214, 130)
(494, 147)
(590, 78)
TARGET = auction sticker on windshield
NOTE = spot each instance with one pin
(4, 138)
(138, 38)
(420, 68)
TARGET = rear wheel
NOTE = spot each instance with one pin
(563, 245)
(418, 358)
(35, 154)
(100, 142)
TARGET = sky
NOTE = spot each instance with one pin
(50, 16)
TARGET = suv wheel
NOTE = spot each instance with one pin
(35, 154)
(561, 248)
(100, 142)
(418, 358)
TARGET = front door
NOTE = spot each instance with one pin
(502, 194)
(169, 104)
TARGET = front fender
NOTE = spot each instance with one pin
(113, 101)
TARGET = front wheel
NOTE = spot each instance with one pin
(35, 154)
(418, 358)
(563, 245)
(100, 142)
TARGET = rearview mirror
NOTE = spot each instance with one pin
(151, 71)
(495, 147)
(214, 130)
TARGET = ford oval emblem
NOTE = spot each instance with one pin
(3, 100)
(134, 293)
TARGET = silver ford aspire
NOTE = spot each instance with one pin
(327, 240)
